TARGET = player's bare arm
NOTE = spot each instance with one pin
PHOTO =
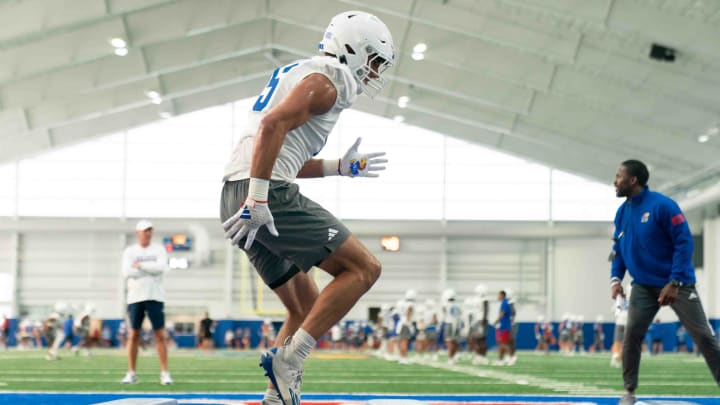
(313, 168)
(315, 95)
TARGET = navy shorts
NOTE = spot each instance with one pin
(154, 309)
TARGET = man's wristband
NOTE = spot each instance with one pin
(331, 167)
(614, 281)
(258, 189)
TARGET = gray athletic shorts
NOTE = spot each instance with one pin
(405, 332)
(452, 333)
(308, 232)
(619, 334)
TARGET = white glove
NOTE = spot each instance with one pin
(251, 216)
(356, 164)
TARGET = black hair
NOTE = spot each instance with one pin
(636, 168)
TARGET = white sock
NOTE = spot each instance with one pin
(271, 393)
(302, 343)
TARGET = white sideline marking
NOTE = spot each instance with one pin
(523, 379)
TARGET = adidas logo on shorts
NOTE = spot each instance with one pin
(331, 233)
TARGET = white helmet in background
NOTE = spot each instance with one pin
(448, 295)
(599, 319)
(509, 295)
(541, 319)
(481, 291)
(360, 40)
(61, 308)
(411, 295)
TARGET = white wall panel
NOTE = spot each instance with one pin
(78, 261)
(581, 275)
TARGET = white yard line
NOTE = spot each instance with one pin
(522, 379)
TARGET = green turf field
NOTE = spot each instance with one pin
(224, 371)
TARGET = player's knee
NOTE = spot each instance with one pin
(372, 273)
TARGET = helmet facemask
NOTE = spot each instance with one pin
(369, 76)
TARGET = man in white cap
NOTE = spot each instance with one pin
(144, 265)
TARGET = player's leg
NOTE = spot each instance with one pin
(641, 312)
(155, 311)
(136, 315)
(298, 296)
(355, 270)
(690, 311)
(57, 342)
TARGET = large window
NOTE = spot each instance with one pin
(8, 189)
(174, 167)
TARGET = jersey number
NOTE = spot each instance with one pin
(264, 97)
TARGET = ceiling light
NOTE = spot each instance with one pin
(403, 101)
(154, 96)
(399, 118)
(118, 43)
(165, 114)
(418, 56)
(121, 51)
(703, 138)
(420, 48)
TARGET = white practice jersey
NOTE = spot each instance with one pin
(429, 312)
(406, 309)
(388, 321)
(453, 314)
(145, 283)
(304, 142)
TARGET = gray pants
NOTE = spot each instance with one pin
(642, 310)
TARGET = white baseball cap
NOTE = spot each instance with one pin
(143, 225)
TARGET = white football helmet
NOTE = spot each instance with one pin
(481, 291)
(448, 295)
(509, 295)
(61, 308)
(411, 295)
(362, 42)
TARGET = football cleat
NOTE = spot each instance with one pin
(284, 374)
